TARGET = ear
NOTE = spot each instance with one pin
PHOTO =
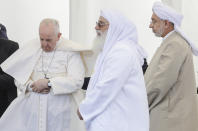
(59, 35)
(167, 23)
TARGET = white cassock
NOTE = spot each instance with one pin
(55, 111)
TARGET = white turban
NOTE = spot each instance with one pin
(167, 13)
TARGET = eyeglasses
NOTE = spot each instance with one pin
(101, 24)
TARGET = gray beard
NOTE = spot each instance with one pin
(160, 31)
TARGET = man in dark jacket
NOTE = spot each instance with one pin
(8, 90)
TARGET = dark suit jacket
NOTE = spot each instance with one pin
(144, 66)
(8, 90)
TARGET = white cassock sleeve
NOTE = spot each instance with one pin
(74, 78)
(24, 88)
(116, 70)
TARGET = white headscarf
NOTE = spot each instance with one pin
(120, 30)
(165, 12)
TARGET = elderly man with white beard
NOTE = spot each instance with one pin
(170, 77)
(98, 42)
(116, 97)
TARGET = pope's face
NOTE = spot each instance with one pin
(48, 37)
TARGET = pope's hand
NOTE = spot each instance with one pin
(40, 86)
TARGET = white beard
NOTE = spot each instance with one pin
(99, 41)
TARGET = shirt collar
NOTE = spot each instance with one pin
(168, 35)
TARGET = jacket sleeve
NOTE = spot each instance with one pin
(116, 69)
(74, 78)
(13, 47)
(6, 81)
(166, 73)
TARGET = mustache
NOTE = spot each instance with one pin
(99, 32)
(102, 33)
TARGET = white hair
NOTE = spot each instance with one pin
(54, 22)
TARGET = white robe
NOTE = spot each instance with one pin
(118, 101)
(55, 111)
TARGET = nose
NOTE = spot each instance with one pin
(96, 27)
(151, 25)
